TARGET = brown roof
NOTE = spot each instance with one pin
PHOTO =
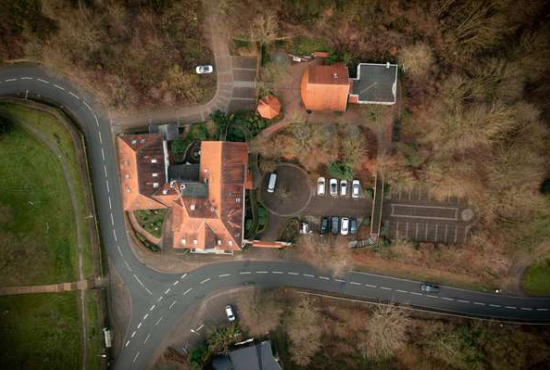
(141, 170)
(269, 107)
(215, 222)
(325, 87)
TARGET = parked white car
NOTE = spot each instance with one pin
(201, 70)
(343, 187)
(229, 312)
(355, 187)
(344, 229)
(321, 186)
(333, 185)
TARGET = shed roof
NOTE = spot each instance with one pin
(325, 87)
(375, 84)
(269, 107)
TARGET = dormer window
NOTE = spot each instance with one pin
(192, 207)
(128, 190)
(127, 176)
(155, 185)
(230, 243)
(134, 142)
(155, 174)
(153, 160)
(184, 242)
(237, 200)
(195, 242)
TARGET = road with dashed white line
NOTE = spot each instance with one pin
(158, 300)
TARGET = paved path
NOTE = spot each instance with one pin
(82, 285)
(236, 89)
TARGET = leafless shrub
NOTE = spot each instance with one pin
(326, 252)
(386, 331)
(416, 59)
(260, 311)
(304, 331)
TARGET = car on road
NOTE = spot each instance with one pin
(324, 226)
(353, 226)
(343, 187)
(271, 183)
(344, 230)
(429, 287)
(355, 187)
(229, 313)
(201, 70)
(335, 225)
(321, 186)
(333, 185)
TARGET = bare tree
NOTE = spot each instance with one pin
(386, 331)
(304, 331)
(260, 311)
(416, 59)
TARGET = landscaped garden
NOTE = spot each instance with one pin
(151, 220)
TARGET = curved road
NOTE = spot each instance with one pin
(158, 300)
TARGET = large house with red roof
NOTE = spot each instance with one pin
(206, 199)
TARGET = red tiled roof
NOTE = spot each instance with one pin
(325, 87)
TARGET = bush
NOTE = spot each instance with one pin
(5, 125)
(262, 218)
(340, 171)
(179, 146)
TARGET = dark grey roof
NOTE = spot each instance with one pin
(258, 357)
(183, 172)
(375, 83)
(168, 130)
(193, 189)
(221, 363)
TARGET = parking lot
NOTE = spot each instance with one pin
(295, 195)
(415, 215)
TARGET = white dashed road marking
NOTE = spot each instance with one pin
(160, 299)
(308, 275)
(74, 95)
(339, 280)
(415, 293)
(187, 291)
(511, 307)
(205, 281)
(261, 272)
(145, 341)
(135, 358)
(447, 298)
(323, 277)
(401, 291)
(152, 307)
(41, 80)
(133, 334)
(354, 283)
(431, 296)
(159, 320)
(293, 273)
(479, 303)
(183, 276)
(385, 288)
(462, 301)
(146, 316)
(167, 291)
(126, 345)
(224, 275)
(119, 250)
(495, 305)
(176, 282)
(172, 305)
(370, 286)
(277, 272)
(542, 309)
(59, 87)
(139, 325)
(127, 266)
(244, 273)
(527, 309)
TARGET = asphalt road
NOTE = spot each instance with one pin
(158, 300)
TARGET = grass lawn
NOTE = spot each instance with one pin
(93, 331)
(53, 127)
(37, 233)
(151, 220)
(537, 279)
(40, 331)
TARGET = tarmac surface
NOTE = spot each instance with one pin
(158, 300)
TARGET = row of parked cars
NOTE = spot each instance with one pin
(339, 225)
(333, 187)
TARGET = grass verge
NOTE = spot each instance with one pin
(93, 331)
(537, 279)
(40, 331)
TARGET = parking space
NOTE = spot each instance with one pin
(415, 215)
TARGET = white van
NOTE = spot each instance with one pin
(271, 183)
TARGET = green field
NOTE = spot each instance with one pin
(40, 331)
(37, 234)
(537, 279)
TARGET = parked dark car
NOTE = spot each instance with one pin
(353, 226)
(335, 225)
(324, 226)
